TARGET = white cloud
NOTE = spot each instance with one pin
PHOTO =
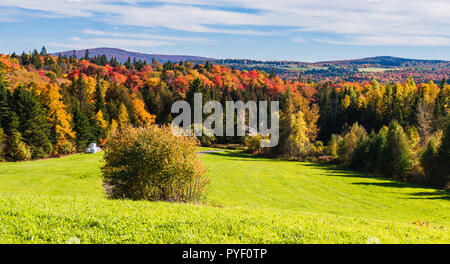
(144, 36)
(298, 40)
(401, 40)
(392, 22)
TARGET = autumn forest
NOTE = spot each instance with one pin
(55, 105)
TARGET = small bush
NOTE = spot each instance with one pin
(207, 138)
(153, 164)
(317, 149)
(253, 144)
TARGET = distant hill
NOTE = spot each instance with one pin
(381, 61)
(364, 69)
(123, 55)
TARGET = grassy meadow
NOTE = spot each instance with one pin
(377, 69)
(250, 200)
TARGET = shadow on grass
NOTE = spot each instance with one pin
(437, 195)
(433, 194)
(238, 156)
(336, 171)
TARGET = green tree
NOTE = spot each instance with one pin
(397, 158)
(430, 159)
(100, 104)
(36, 60)
(435, 159)
(123, 117)
(13, 147)
(32, 124)
(443, 166)
(82, 128)
(2, 145)
(5, 114)
(43, 51)
(16, 149)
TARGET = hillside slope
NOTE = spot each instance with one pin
(251, 200)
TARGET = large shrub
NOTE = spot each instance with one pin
(153, 164)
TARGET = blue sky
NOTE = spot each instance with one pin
(255, 29)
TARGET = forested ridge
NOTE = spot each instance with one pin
(53, 105)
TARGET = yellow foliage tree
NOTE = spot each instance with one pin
(58, 118)
(100, 121)
(102, 125)
(123, 116)
(142, 116)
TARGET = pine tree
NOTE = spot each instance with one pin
(4, 109)
(127, 64)
(82, 128)
(43, 51)
(36, 60)
(32, 124)
(443, 166)
(435, 159)
(2, 145)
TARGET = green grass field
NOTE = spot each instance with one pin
(250, 200)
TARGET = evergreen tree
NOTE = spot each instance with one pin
(2, 145)
(127, 64)
(24, 59)
(32, 124)
(4, 109)
(397, 153)
(443, 166)
(8, 118)
(430, 159)
(100, 104)
(36, 60)
(13, 147)
(82, 128)
(43, 51)
(435, 159)
(103, 60)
